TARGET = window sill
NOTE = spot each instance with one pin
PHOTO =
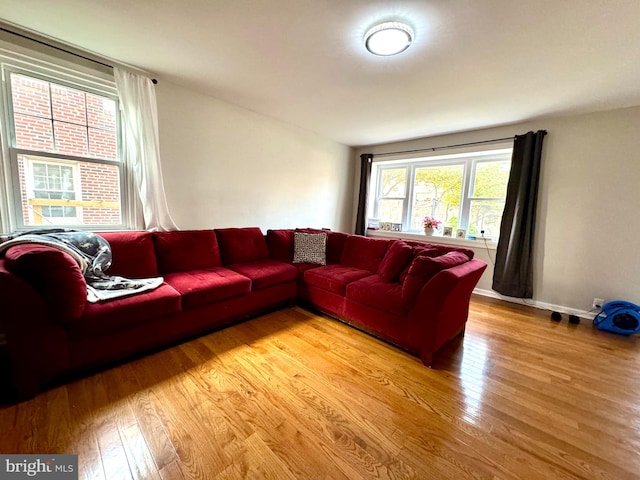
(458, 242)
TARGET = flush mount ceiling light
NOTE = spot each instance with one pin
(389, 38)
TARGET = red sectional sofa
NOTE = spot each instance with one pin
(412, 294)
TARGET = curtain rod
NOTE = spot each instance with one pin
(433, 149)
(61, 49)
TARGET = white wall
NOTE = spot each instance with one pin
(588, 230)
(225, 166)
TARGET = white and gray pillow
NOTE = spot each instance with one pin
(310, 248)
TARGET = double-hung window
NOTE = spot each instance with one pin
(464, 191)
(62, 161)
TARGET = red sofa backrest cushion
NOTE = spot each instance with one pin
(423, 269)
(364, 253)
(241, 245)
(133, 253)
(397, 258)
(280, 243)
(186, 250)
(54, 274)
(335, 246)
(438, 248)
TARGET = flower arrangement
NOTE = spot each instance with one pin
(430, 222)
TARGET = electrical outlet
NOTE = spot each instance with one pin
(598, 302)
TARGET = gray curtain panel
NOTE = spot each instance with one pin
(366, 160)
(513, 271)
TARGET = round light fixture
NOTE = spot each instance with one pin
(389, 38)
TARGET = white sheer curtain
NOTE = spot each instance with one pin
(141, 148)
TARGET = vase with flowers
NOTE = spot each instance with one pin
(430, 224)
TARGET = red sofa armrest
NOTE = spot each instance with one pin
(37, 347)
(442, 307)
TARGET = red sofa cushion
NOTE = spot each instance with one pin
(375, 292)
(133, 253)
(266, 273)
(423, 269)
(303, 267)
(54, 274)
(334, 278)
(438, 248)
(240, 245)
(125, 312)
(395, 261)
(186, 250)
(280, 244)
(335, 246)
(418, 252)
(199, 287)
(363, 253)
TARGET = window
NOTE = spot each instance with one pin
(47, 181)
(464, 191)
(393, 192)
(62, 153)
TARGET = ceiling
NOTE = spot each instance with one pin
(474, 63)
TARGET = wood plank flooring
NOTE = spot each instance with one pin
(294, 395)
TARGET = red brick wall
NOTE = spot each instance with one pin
(58, 119)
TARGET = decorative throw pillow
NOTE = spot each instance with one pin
(417, 252)
(423, 269)
(395, 260)
(310, 248)
(335, 243)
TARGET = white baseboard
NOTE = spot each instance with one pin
(534, 303)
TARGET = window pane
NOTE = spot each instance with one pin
(393, 183)
(40, 169)
(101, 112)
(53, 179)
(71, 139)
(101, 183)
(486, 215)
(40, 182)
(103, 144)
(437, 193)
(33, 133)
(30, 96)
(92, 191)
(491, 179)
(390, 211)
(68, 105)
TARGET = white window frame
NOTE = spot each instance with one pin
(11, 214)
(469, 159)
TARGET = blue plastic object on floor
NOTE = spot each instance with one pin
(619, 317)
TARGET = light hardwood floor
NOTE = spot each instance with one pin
(298, 395)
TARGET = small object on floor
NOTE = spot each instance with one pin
(556, 316)
(619, 317)
(574, 319)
